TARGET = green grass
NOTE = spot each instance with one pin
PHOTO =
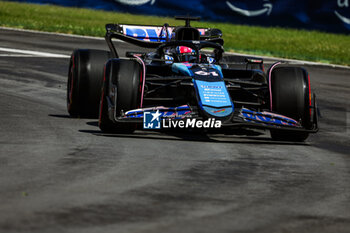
(270, 41)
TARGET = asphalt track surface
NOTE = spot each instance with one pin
(59, 174)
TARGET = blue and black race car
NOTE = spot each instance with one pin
(185, 83)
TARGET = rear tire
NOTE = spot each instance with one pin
(125, 77)
(291, 97)
(84, 84)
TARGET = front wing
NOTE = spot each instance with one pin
(241, 118)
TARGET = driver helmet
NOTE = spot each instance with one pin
(185, 54)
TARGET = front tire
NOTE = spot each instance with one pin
(122, 78)
(290, 90)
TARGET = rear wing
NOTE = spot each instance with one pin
(150, 36)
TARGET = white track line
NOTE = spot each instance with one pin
(16, 55)
(52, 33)
(55, 34)
(33, 53)
(289, 61)
(301, 62)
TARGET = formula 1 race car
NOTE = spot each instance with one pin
(184, 83)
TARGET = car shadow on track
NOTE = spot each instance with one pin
(246, 136)
(60, 115)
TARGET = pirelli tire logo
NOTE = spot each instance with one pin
(152, 120)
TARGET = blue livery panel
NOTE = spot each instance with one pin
(214, 98)
(267, 118)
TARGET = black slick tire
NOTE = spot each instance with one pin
(290, 90)
(84, 83)
(120, 93)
